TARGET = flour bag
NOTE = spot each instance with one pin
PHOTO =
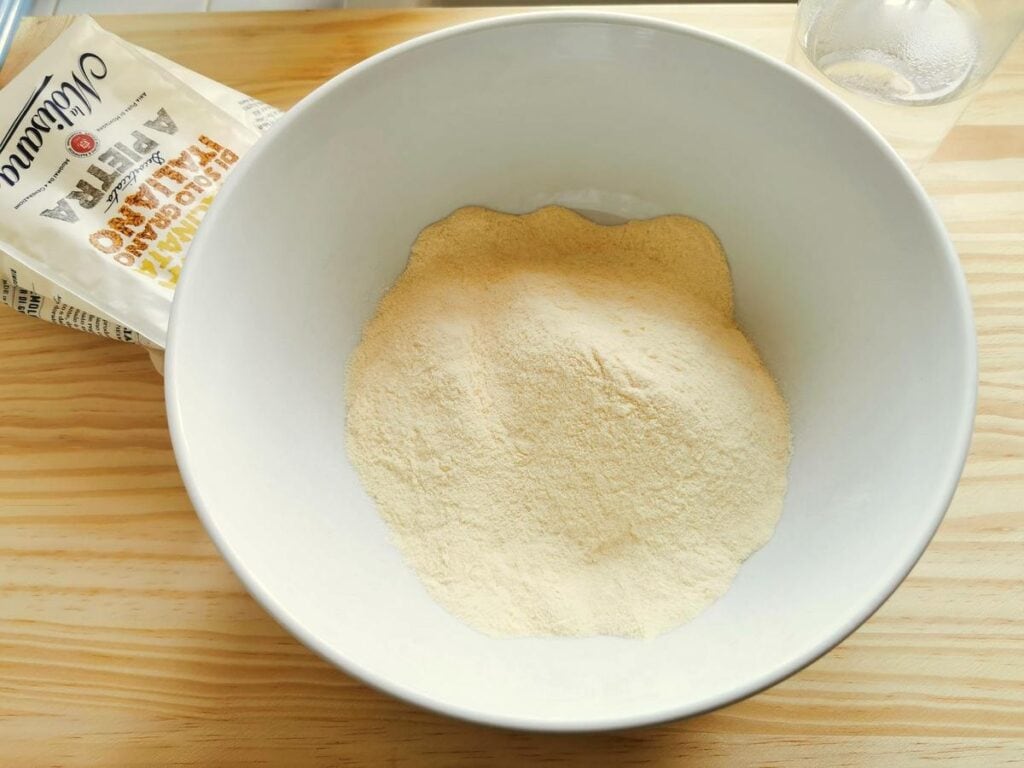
(110, 158)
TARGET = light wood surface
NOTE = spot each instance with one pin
(125, 639)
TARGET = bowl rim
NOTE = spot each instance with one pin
(936, 509)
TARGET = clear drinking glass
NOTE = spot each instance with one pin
(908, 66)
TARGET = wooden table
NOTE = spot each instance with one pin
(125, 639)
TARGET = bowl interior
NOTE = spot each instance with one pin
(843, 278)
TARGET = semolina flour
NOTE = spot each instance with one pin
(562, 425)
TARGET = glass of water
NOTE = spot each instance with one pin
(908, 66)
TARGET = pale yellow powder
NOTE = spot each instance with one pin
(562, 425)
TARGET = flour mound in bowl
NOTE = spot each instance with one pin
(562, 425)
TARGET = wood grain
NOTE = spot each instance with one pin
(126, 641)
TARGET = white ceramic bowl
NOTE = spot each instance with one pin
(843, 275)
